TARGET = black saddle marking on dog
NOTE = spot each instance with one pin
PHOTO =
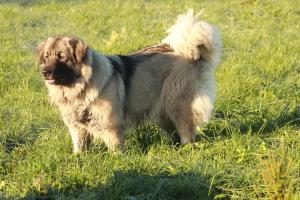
(85, 117)
(125, 66)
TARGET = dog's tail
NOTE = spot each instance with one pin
(195, 39)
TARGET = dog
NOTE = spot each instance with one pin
(171, 83)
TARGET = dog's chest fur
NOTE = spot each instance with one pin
(77, 113)
(75, 110)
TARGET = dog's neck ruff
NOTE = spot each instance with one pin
(65, 94)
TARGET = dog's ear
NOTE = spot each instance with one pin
(40, 52)
(79, 49)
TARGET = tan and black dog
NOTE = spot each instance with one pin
(171, 83)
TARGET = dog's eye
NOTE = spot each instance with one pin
(60, 55)
(47, 55)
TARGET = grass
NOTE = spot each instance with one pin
(249, 150)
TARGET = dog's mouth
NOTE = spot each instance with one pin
(61, 80)
(50, 81)
(57, 82)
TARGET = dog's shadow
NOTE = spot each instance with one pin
(136, 185)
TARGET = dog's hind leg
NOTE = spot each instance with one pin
(176, 103)
(189, 111)
(186, 129)
(195, 113)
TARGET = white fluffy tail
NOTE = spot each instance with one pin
(195, 39)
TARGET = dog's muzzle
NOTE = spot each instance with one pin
(47, 73)
(56, 72)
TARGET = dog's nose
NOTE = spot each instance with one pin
(46, 72)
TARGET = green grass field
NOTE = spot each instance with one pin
(249, 150)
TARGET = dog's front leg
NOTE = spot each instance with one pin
(80, 139)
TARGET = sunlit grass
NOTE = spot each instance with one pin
(249, 150)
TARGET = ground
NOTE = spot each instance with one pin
(249, 150)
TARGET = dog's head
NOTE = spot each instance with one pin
(61, 59)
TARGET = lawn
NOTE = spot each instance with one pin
(249, 150)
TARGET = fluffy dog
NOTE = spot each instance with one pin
(171, 83)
